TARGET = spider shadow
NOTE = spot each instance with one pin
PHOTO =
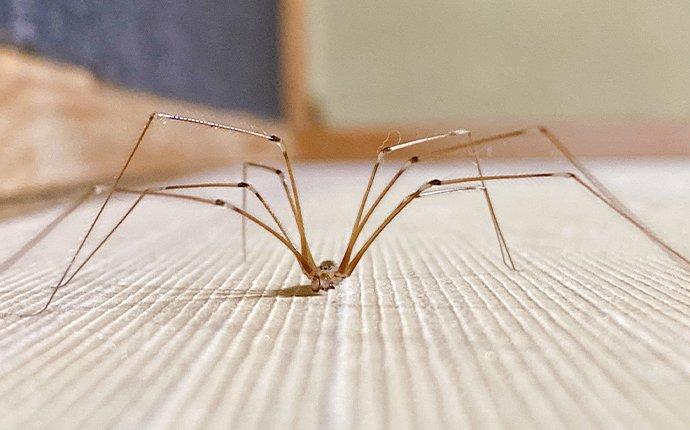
(287, 292)
(234, 294)
(293, 291)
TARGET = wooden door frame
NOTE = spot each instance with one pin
(313, 139)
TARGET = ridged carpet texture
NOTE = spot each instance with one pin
(167, 327)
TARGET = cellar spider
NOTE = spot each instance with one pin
(328, 274)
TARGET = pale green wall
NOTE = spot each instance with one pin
(386, 61)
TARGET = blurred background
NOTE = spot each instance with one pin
(79, 78)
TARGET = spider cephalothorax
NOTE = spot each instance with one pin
(328, 274)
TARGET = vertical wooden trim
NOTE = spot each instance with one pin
(293, 48)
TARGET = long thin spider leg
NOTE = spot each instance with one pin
(63, 279)
(155, 192)
(361, 218)
(406, 201)
(134, 150)
(156, 115)
(271, 138)
(502, 244)
(306, 251)
(245, 186)
(551, 138)
(306, 268)
(38, 237)
(365, 218)
(137, 144)
(505, 252)
(110, 193)
(304, 244)
(424, 191)
(560, 147)
(622, 211)
(584, 170)
(411, 161)
(281, 176)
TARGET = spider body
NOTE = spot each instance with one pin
(328, 274)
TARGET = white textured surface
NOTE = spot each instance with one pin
(167, 329)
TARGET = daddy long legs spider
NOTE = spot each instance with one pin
(328, 274)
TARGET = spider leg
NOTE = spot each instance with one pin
(560, 147)
(275, 140)
(471, 144)
(362, 218)
(304, 257)
(551, 139)
(502, 244)
(306, 268)
(245, 187)
(425, 190)
(60, 283)
(160, 191)
(153, 191)
(137, 144)
(45, 231)
(281, 176)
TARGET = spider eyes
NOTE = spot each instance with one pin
(327, 265)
